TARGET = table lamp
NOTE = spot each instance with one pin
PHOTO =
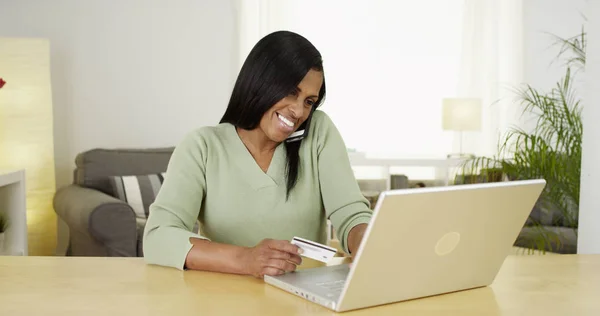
(27, 137)
(460, 115)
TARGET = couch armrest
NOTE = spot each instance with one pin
(106, 219)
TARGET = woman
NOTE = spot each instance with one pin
(252, 185)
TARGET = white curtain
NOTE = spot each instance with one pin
(491, 68)
(389, 64)
(253, 19)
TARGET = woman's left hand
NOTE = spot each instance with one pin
(355, 237)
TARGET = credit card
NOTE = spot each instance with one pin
(314, 250)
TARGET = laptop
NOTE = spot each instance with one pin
(423, 242)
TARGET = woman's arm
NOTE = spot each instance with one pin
(209, 256)
(168, 236)
(355, 237)
(269, 257)
(345, 205)
(172, 216)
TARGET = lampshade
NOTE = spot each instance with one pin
(461, 114)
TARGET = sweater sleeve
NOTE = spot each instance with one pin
(344, 204)
(175, 210)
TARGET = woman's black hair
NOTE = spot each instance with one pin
(272, 70)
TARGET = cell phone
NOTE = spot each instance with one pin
(302, 131)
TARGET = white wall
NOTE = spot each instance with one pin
(130, 73)
(589, 212)
(541, 20)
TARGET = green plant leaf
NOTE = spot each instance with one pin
(550, 151)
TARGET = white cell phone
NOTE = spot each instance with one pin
(314, 250)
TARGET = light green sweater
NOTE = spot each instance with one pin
(212, 177)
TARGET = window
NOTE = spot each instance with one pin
(388, 65)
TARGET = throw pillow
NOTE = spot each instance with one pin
(138, 191)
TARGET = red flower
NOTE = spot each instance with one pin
(2, 83)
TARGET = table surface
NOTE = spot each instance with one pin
(526, 285)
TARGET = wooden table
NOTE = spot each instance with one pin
(526, 285)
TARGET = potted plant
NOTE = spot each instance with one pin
(551, 150)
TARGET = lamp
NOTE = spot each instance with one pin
(26, 133)
(460, 115)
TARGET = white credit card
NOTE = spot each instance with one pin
(314, 250)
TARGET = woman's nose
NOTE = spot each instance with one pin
(297, 110)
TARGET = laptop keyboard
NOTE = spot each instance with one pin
(334, 286)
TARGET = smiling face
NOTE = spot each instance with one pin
(284, 118)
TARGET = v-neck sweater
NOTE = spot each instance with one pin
(212, 178)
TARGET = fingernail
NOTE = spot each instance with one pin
(300, 250)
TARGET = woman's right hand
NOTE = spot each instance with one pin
(271, 257)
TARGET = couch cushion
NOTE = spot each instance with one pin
(549, 215)
(94, 167)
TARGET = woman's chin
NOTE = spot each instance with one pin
(279, 136)
(281, 132)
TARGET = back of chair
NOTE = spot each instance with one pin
(94, 167)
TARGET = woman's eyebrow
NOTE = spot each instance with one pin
(310, 96)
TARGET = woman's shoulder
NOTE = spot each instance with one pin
(209, 133)
(321, 126)
(321, 121)
(206, 137)
(322, 134)
(320, 117)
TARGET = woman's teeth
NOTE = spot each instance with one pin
(286, 121)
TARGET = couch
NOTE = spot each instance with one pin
(545, 229)
(97, 220)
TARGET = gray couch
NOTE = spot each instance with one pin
(98, 223)
(545, 228)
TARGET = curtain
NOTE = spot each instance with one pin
(253, 19)
(491, 68)
(388, 65)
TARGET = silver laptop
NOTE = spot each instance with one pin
(423, 242)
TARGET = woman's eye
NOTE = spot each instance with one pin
(310, 102)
